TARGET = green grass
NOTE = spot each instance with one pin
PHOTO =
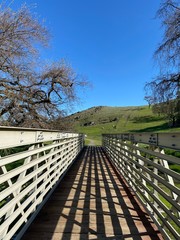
(118, 120)
(167, 204)
(93, 141)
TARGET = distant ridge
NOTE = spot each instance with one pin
(104, 119)
(105, 114)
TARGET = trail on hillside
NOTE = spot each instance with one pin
(91, 142)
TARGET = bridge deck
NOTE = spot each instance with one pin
(92, 202)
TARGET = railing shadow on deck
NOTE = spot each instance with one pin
(92, 202)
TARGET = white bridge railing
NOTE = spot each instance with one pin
(31, 165)
(140, 158)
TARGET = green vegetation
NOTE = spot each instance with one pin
(8, 151)
(98, 120)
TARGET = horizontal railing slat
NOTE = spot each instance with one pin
(25, 188)
(146, 168)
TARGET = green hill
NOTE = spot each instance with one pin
(102, 119)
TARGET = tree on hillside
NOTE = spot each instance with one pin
(165, 89)
(30, 95)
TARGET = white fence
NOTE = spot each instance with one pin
(141, 160)
(32, 164)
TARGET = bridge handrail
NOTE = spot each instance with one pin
(14, 137)
(141, 160)
(164, 140)
(32, 164)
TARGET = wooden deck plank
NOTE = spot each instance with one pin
(92, 202)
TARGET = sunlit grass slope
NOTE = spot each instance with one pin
(97, 120)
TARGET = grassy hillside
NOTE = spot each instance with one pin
(97, 120)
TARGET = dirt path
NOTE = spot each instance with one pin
(91, 142)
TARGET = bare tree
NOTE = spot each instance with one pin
(29, 94)
(166, 87)
(168, 52)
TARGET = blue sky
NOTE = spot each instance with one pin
(111, 42)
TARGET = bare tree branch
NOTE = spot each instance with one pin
(164, 91)
(30, 95)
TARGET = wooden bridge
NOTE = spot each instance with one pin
(92, 202)
(55, 188)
